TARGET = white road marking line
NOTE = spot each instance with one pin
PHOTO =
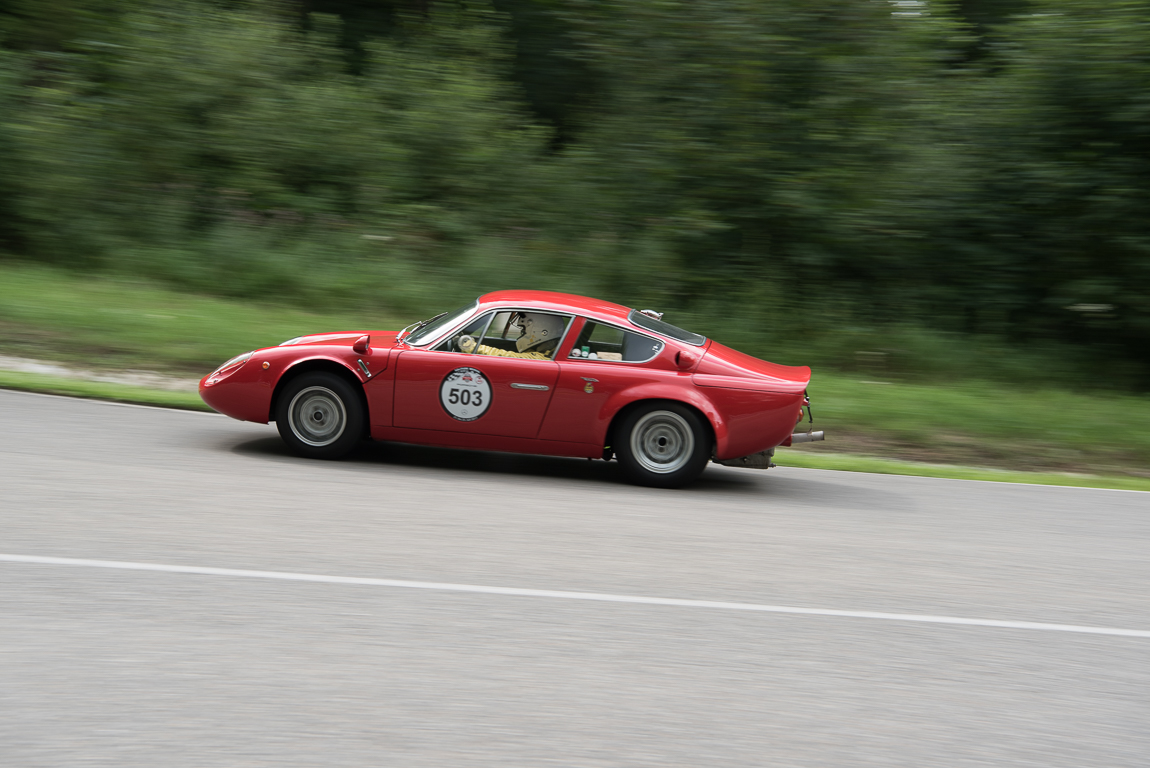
(595, 596)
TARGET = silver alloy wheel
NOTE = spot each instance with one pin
(662, 442)
(317, 416)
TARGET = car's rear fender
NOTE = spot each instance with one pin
(742, 422)
(611, 438)
(755, 420)
(624, 401)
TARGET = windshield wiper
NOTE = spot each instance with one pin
(417, 325)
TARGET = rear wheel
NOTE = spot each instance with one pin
(320, 416)
(663, 445)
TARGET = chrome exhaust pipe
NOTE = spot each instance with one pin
(762, 459)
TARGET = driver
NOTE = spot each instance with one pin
(539, 336)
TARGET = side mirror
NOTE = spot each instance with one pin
(686, 360)
(362, 345)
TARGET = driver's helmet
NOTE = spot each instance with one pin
(538, 329)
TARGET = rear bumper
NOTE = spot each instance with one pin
(762, 459)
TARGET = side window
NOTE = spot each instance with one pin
(606, 342)
(523, 333)
(474, 329)
(510, 333)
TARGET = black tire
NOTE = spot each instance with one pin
(662, 445)
(320, 415)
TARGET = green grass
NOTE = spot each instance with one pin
(974, 422)
(850, 462)
(970, 426)
(117, 323)
(121, 393)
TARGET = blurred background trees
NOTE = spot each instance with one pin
(941, 184)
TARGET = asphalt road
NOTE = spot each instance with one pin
(116, 667)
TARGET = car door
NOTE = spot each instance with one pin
(454, 391)
(603, 361)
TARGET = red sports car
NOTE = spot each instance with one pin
(527, 372)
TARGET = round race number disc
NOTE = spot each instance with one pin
(465, 394)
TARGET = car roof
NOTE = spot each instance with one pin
(566, 302)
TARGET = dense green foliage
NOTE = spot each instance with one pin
(940, 186)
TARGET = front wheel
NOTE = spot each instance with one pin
(663, 445)
(320, 416)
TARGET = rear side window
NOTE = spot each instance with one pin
(599, 341)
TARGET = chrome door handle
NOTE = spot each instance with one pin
(540, 387)
(588, 378)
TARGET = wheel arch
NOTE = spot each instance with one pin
(319, 365)
(621, 415)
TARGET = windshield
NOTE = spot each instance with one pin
(665, 329)
(447, 320)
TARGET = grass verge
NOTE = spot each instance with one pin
(115, 323)
(849, 462)
(973, 426)
(97, 390)
(979, 423)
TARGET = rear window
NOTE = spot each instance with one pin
(665, 329)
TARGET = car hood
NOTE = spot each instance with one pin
(343, 339)
(725, 367)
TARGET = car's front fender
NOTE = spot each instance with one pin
(247, 393)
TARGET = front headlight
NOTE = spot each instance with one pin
(235, 362)
(291, 342)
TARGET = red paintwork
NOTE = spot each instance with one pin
(751, 404)
(726, 367)
(512, 413)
